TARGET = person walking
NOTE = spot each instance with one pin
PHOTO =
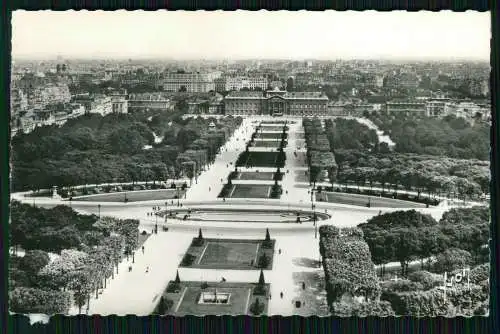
(281, 294)
(142, 249)
(147, 269)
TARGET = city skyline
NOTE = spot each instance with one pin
(224, 35)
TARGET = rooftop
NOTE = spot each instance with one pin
(245, 94)
(305, 95)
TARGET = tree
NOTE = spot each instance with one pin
(257, 307)
(268, 236)
(81, 282)
(289, 84)
(183, 89)
(57, 274)
(200, 235)
(452, 259)
(262, 282)
(32, 300)
(177, 278)
(33, 261)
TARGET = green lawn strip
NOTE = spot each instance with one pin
(362, 200)
(239, 303)
(132, 196)
(250, 191)
(236, 254)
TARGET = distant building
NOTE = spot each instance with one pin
(156, 101)
(119, 102)
(96, 104)
(436, 107)
(478, 87)
(276, 102)
(190, 82)
(406, 107)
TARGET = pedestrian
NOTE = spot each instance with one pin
(142, 249)
(270, 297)
(279, 251)
(147, 269)
(129, 268)
(303, 285)
(209, 188)
(281, 294)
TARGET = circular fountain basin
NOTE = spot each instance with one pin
(254, 216)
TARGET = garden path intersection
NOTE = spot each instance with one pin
(137, 291)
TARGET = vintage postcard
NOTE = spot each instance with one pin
(250, 163)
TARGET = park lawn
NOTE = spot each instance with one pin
(251, 191)
(229, 253)
(273, 128)
(267, 143)
(186, 300)
(261, 159)
(362, 200)
(132, 196)
(235, 254)
(261, 176)
(269, 135)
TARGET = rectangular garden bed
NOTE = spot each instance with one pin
(184, 300)
(270, 135)
(261, 159)
(267, 143)
(235, 254)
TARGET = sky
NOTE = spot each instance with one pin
(246, 35)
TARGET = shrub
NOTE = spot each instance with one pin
(401, 285)
(197, 242)
(264, 261)
(177, 278)
(257, 307)
(173, 287)
(164, 305)
(204, 285)
(426, 279)
(188, 260)
(452, 259)
(479, 273)
(356, 309)
(173, 186)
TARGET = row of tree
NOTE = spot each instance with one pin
(430, 174)
(40, 286)
(95, 149)
(460, 237)
(319, 155)
(450, 136)
(349, 271)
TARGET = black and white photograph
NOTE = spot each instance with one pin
(250, 163)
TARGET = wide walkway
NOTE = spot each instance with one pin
(137, 292)
(209, 183)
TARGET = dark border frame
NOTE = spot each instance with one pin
(277, 324)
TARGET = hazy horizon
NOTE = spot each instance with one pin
(244, 35)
